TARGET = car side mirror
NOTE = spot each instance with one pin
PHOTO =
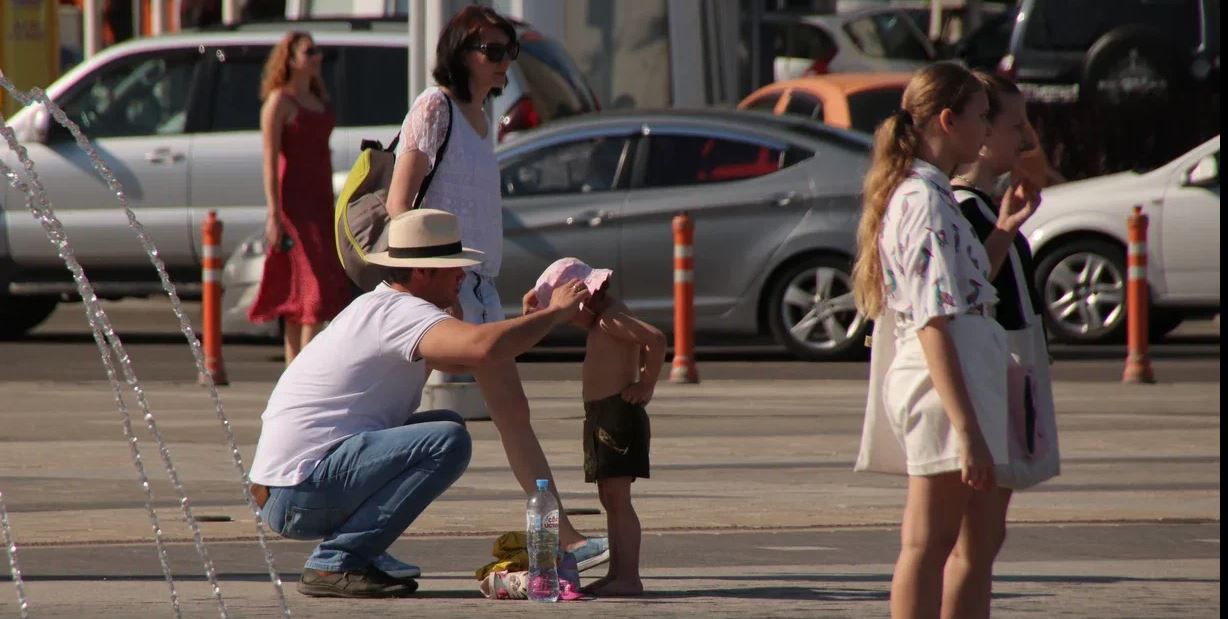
(40, 125)
(35, 127)
(1205, 174)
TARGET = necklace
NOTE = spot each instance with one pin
(964, 180)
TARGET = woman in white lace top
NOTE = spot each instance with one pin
(937, 406)
(473, 55)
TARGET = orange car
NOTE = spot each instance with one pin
(860, 101)
(856, 101)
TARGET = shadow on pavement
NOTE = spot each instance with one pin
(1173, 347)
(796, 594)
(886, 578)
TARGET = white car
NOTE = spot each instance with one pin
(862, 41)
(177, 118)
(1078, 237)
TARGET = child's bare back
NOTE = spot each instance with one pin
(611, 363)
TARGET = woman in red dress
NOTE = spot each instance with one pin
(303, 282)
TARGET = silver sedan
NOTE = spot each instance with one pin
(775, 204)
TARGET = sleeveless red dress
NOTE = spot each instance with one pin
(306, 284)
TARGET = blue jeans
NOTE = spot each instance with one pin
(368, 489)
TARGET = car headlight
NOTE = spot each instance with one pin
(252, 247)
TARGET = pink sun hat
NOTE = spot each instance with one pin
(565, 269)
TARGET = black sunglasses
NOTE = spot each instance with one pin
(313, 51)
(495, 52)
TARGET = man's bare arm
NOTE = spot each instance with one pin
(455, 342)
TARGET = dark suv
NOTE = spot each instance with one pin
(1142, 76)
(1110, 50)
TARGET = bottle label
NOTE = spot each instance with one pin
(550, 522)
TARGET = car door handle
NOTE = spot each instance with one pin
(163, 155)
(589, 218)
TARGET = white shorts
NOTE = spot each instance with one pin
(916, 413)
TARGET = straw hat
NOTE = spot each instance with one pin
(427, 239)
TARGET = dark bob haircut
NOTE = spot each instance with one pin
(462, 31)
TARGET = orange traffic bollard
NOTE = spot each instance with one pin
(1138, 364)
(683, 369)
(211, 299)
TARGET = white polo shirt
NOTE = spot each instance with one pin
(358, 375)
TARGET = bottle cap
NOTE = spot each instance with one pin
(543, 484)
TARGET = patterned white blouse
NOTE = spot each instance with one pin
(933, 263)
(467, 183)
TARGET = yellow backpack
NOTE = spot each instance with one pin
(360, 220)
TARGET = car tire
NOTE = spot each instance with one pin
(1133, 65)
(810, 300)
(18, 315)
(1082, 286)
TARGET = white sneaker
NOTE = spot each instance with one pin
(396, 568)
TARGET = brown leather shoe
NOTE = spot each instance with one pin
(368, 583)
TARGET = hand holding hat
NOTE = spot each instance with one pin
(565, 271)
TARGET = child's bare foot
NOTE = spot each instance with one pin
(596, 585)
(618, 587)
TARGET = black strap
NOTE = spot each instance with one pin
(443, 148)
(431, 251)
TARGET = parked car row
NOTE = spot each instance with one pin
(773, 189)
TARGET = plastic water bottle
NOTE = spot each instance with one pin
(543, 540)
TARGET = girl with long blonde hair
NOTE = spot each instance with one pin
(937, 407)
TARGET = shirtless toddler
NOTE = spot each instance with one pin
(622, 361)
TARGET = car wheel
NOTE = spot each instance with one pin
(811, 312)
(1083, 287)
(20, 314)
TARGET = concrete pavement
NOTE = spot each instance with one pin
(752, 509)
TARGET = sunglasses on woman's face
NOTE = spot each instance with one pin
(313, 51)
(495, 52)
